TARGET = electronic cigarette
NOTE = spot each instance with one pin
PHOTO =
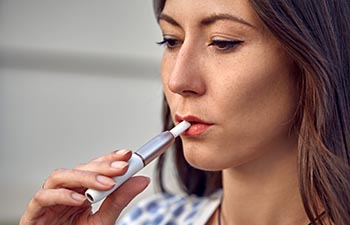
(141, 158)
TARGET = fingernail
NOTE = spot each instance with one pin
(105, 180)
(123, 152)
(78, 197)
(119, 164)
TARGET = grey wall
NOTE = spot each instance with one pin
(78, 79)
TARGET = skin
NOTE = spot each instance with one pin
(61, 201)
(247, 92)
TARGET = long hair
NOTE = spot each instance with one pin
(316, 34)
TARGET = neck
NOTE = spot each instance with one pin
(263, 192)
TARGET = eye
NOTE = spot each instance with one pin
(170, 43)
(225, 45)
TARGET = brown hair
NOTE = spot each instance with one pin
(316, 34)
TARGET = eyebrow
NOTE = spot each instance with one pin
(168, 19)
(224, 16)
(208, 20)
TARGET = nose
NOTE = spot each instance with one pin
(187, 75)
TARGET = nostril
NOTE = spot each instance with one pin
(189, 92)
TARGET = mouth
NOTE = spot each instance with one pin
(198, 126)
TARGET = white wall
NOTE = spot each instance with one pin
(78, 79)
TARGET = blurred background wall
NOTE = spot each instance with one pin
(78, 79)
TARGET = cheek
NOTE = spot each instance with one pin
(257, 90)
(165, 74)
(258, 99)
(254, 106)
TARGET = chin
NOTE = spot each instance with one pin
(214, 157)
(203, 159)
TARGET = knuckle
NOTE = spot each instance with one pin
(38, 197)
(119, 204)
(57, 172)
(80, 166)
(122, 201)
(83, 174)
(96, 159)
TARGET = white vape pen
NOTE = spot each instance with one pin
(142, 157)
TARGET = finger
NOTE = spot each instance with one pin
(49, 197)
(118, 200)
(118, 155)
(107, 168)
(78, 179)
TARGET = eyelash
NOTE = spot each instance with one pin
(225, 45)
(170, 43)
(221, 45)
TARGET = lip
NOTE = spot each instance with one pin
(198, 126)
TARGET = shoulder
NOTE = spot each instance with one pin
(165, 208)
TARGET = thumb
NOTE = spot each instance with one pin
(119, 199)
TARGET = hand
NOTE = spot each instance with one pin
(61, 200)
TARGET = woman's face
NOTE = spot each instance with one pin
(226, 74)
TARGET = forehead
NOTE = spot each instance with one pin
(195, 10)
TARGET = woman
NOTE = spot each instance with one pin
(264, 84)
